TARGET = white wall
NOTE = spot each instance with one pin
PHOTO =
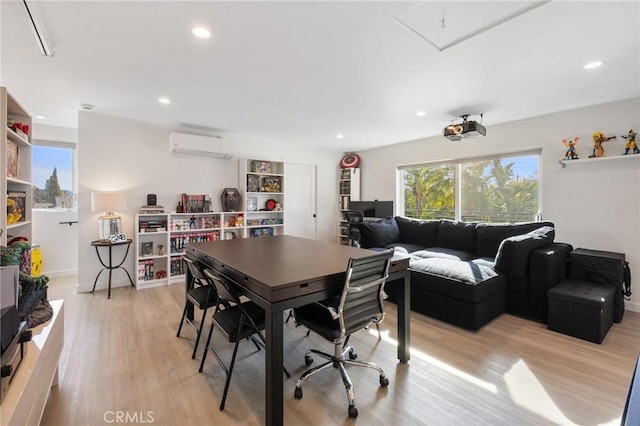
(593, 205)
(58, 242)
(117, 154)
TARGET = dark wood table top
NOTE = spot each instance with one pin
(280, 267)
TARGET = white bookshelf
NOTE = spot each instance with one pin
(262, 188)
(173, 231)
(13, 181)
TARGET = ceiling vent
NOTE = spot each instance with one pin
(209, 146)
(466, 129)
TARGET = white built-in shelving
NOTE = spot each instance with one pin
(15, 181)
(262, 187)
(161, 240)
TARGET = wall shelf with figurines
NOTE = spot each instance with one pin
(631, 149)
(598, 159)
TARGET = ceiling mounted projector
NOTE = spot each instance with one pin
(466, 129)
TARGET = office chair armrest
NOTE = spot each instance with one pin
(334, 314)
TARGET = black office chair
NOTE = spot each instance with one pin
(353, 218)
(241, 320)
(202, 295)
(335, 319)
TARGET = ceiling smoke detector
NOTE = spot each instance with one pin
(466, 129)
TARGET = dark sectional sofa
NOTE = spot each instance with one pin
(469, 273)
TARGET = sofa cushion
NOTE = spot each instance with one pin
(404, 247)
(490, 235)
(466, 281)
(444, 253)
(379, 234)
(457, 236)
(513, 253)
(416, 231)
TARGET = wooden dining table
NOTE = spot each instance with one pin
(283, 272)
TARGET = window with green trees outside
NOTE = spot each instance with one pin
(488, 189)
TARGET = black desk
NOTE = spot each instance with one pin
(109, 266)
(283, 272)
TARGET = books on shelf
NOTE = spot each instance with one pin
(177, 266)
(195, 203)
(16, 206)
(151, 209)
(13, 152)
(145, 270)
(158, 225)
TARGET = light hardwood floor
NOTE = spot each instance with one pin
(122, 355)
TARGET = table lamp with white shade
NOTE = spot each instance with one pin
(109, 202)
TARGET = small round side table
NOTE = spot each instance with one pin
(109, 266)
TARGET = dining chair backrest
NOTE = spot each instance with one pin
(195, 270)
(225, 289)
(362, 299)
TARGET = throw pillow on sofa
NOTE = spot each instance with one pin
(490, 235)
(457, 235)
(418, 231)
(513, 253)
(379, 234)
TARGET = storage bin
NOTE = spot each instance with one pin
(581, 309)
(604, 267)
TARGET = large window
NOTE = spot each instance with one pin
(53, 175)
(488, 189)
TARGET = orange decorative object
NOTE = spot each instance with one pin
(598, 139)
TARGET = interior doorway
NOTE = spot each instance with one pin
(300, 200)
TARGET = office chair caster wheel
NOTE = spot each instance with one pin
(353, 411)
(297, 394)
(384, 382)
(308, 360)
(352, 355)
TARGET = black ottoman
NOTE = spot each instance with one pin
(581, 309)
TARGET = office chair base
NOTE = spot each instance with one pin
(342, 357)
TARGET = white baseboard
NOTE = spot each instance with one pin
(63, 273)
(632, 306)
(103, 285)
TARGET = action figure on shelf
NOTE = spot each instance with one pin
(571, 153)
(631, 143)
(598, 139)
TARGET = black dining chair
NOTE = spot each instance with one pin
(202, 294)
(335, 319)
(353, 218)
(240, 320)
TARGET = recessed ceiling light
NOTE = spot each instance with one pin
(339, 136)
(201, 32)
(164, 100)
(41, 117)
(420, 114)
(592, 65)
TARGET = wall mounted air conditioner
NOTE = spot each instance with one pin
(184, 143)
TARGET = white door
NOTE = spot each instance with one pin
(300, 200)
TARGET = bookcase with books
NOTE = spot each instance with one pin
(349, 190)
(185, 228)
(15, 180)
(262, 183)
(161, 240)
(152, 238)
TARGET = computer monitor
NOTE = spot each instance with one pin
(375, 208)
